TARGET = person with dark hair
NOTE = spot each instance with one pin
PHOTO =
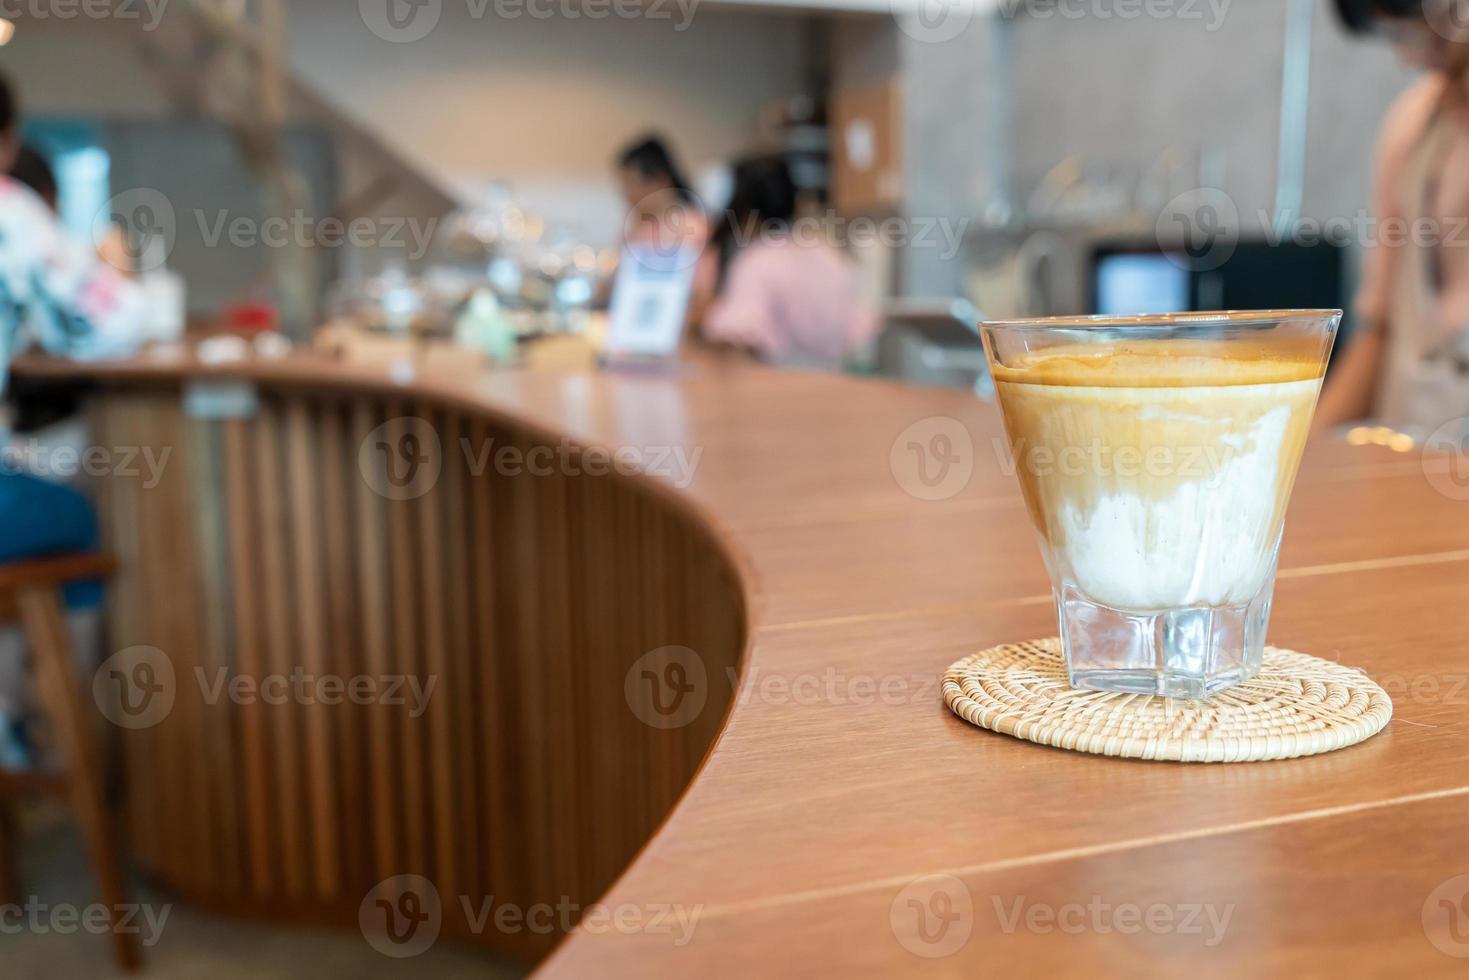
(34, 170)
(661, 206)
(1367, 16)
(59, 294)
(786, 292)
(764, 192)
(54, 291)
(1408, 363)
(646, 168)
(663, 212)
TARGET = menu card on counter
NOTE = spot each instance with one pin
(650, 302)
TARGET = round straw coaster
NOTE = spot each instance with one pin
(1297, 705)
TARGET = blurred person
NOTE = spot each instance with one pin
(662, 208)
(785, 295)
(653, 186)
(663, 212)
(1408, 363)
(59, 294)
(47, 406)
(33, 169)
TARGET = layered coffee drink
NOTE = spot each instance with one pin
(1156, 466)
(1158, 477)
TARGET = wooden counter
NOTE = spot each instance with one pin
(844, 823)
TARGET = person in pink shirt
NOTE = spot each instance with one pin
(786, 293)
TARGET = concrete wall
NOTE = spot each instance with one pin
(541, 104)
(80, 68)
(544, 104)
(1178, 83)
(1117, 93)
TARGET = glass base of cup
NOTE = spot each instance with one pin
(1190, 652)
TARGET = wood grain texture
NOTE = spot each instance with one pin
(249, 660)
(823, 601)
(272, 556)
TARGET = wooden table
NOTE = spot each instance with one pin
(843, 822)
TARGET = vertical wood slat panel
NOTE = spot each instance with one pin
(557, 672)
(373, 600)
(177, 495)
(211, 529)
(244, 538)
(639, 803)
(338, 471)
(528, 597)
(594, 697)
(611, 765)
(436, 723)
(306, 553)
(534, 816)
(460, 684)
(513, 594)
(496, 871)
(625, 727)
(144, 742)
(404, 659)
(276, 586)
(164, 748)
(118, 425)
(576, 696)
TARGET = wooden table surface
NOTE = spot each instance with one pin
(845, 823)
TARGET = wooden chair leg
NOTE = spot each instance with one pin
(9, 855)
(56, 681)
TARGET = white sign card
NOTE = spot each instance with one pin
(650, 302)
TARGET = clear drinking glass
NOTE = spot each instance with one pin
(1156, 455)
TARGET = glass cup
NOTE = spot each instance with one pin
(1156, 455)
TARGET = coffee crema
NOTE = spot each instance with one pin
(1158, 475)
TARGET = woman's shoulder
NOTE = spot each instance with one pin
(1409, 117)
(22, 210)
(791, 251)
(13, 191)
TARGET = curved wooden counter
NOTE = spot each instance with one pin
(843, 823)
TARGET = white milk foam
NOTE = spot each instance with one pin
(1203, 544)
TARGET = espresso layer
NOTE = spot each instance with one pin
(1151, 495)
(1163, 364)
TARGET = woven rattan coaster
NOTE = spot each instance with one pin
(1297, 705)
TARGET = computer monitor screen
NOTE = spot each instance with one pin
(1139, 282)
